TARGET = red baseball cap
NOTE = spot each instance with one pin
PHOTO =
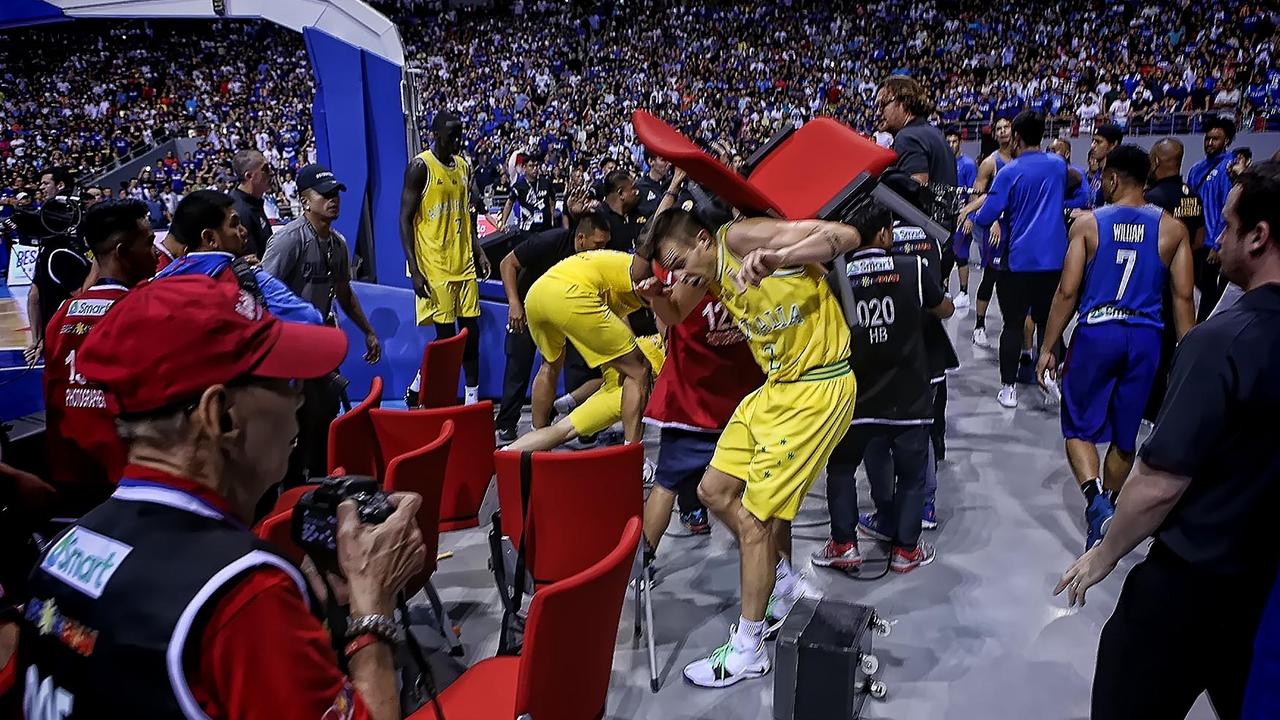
(167, 341)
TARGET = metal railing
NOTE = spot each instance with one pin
(1181, 123)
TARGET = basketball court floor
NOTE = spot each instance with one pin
(977, 633)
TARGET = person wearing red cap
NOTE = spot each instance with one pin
(86, 456)
(160, 603)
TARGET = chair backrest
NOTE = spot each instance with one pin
(579, 502)
(352, 444)
(423, 471)
(813, 164)
(665, 141)
(470, 466)
(570, 636)
(277, 529)
(441, 367)
(290, 497)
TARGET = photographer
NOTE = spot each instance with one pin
(160, 603)
(61, 266)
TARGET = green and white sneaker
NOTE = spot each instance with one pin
(727, 665)
(779, 607)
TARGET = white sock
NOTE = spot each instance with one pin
(472, 394)
(785, 580)
(565, 404)
(749, 634)
(416, 385)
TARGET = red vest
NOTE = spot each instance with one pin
(80, 429)
(709, 370)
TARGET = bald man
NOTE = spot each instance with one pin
(253, 176)
(1166, 189)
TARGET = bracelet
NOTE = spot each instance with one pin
(672, 193)
(360, 643)
(381, 625)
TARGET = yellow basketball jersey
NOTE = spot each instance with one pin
(442, 228)
(604, 273)
(792, 320)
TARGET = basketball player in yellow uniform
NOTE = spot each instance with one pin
(600, 409)
(441, 245)
(781, 435)
(586, 298)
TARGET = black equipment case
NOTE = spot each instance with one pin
(824, 668)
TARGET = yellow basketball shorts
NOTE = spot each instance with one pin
(780, 437)
(604, 407)
(557, 313)
(450, 300)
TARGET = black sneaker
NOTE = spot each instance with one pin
(588, 440)
(696, 522)
(410, 398)
(507, 435)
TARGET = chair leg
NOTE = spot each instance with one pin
(636, 635)
(648, 611)
(446, 628)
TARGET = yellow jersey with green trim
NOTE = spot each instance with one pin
(791, 319)
(442, 226)
(602, 273)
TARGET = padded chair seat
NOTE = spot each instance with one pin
(486, 691)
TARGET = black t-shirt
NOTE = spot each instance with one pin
(911, 240)
(922, 148)
(533, 199)
(888, 352)
(60, 270)
(1179, 200)
(650, 192)
(624, 229)
(254, 219)
(538, 253)
(1218, 426)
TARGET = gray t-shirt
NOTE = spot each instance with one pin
(309, 265)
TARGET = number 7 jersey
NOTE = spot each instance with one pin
(1124, 280)
(791, 320)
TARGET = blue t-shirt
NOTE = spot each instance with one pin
(966, 171)
(1211, 182)
(1032, 189)
(1124, 280)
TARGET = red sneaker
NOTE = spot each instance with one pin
(904, 560)
(842, 556)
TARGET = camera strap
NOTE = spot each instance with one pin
(518, 576)
(426, 681)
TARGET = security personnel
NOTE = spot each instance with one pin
(895, 297)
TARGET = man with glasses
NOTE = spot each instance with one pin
(254, 177)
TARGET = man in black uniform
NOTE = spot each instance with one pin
(254, 176)
(892, 294)
(535, 197)
(1205, 488)
(651, 186)
(621, 200)
(520, 268)
(61, 265)
(1169, 191)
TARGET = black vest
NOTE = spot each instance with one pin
(887, 346)
(119, 603)
(911, 240)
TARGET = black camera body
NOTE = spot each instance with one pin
(315, 517)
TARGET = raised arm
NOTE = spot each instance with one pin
(415, 183)
(766, 244)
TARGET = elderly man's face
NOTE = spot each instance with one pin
(264, 414)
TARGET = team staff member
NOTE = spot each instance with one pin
(311, 258)
(781, 435)
(254, 175)
(441, 246)
(652, 186)
(626, 221)
(1116, 268)
(61, 269)
(1205, 487)
(206, 222)
(1031, 189)
(892, 294)
(1167, 190)
(185, 607)
(585, 299)
(86, 456)
(1211, 181)
(527, 262)
(534, 197)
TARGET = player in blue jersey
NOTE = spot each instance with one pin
(966, 175)
(1117, 263)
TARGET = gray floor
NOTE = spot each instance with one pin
(977, 634)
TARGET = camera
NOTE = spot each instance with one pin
(58, 217)
(315, 517)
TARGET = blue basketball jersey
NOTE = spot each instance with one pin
(1123, 282)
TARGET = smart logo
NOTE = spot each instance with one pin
(85, 560)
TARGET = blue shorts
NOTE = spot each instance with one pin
(960, 244)
(1106, 381)
(683, 457)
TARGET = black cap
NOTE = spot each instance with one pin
(318, 178)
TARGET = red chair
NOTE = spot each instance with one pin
(277, 529)
(470, 466)
(290, 497)
(576, 617)
(352, 444)
(422, 471)
(441, 367)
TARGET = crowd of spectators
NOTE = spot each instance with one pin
(562, 78)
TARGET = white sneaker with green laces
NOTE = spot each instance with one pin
(729, 664)
(779, 607)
